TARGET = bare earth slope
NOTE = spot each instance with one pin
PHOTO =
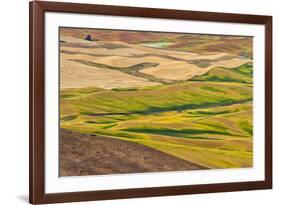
(86, 154)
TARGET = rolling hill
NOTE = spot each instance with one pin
(188, 96)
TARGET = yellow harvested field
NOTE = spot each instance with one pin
(77, 75)
(156, 50)
(232, 63)
(115, 61)
(177, 54)
(105, 51)
(172, 65)
(209, 56)
(165, 69)
(185, 71)
(174, 70)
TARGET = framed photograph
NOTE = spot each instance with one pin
(138, 102)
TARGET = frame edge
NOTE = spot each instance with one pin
(36, 103)
(130, 11)
(36, 109)
(268, 102)
(31, 190)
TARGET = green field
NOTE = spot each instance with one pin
(203, 121)
(242, 74)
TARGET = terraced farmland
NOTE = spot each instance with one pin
(194, 106)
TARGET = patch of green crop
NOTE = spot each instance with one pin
(117, 134)
(247, 127)
(165, 98)
(185, 133)
(69, 118)
(109, 126)
(90, 122)
(246, 69)
(195, 121)
(212, 88)
(242, 74)
(98, 122)
(85, 112)
(124, 89)
(205, 112)
(68, 96)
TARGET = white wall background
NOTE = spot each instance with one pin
(14, 101)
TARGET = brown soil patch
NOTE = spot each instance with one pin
(86, 154)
